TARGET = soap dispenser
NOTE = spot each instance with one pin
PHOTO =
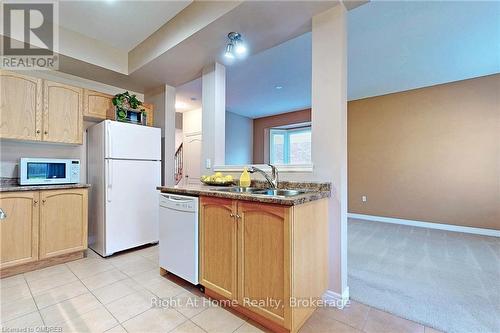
(245, 178)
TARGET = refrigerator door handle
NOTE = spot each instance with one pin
(108, 140)
(109, 180)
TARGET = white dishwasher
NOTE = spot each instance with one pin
(179, 235)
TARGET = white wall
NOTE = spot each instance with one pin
(239, 139)
(11, 151)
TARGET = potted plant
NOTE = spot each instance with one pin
(125, 102)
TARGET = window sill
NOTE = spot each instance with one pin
(265, 167)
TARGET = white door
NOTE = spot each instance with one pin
(130, 141)
(191, 151)
(131, 203)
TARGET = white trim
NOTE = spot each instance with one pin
(265, 167)
(430, 225)
(335, 299)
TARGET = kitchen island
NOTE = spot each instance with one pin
(264, 255)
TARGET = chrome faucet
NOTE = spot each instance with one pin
(272, 180)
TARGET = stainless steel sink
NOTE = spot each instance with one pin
(239, 189)
(260, 191)
(282, 192)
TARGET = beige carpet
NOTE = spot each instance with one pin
(446, 280)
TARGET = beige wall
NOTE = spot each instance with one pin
(431, 154)
(260, 125)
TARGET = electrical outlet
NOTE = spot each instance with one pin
(208, 163)
(363, 198)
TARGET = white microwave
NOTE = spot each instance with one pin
(43, 171)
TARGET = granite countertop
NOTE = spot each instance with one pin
(11, 185)
(315, 191)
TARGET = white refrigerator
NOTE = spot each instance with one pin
(124, 169)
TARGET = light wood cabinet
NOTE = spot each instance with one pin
(62, 113)
(63, 222)
(281, 257)
(263, 258)
(148, 108)
(20, 106)
(218, 243)
(96, 105)
(19, 228)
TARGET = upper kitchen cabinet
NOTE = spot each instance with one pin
(96, 105)
(20, 106)
(62, 113)
(148, 108)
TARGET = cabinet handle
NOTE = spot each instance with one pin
(45, 132)
(37, 131)
(43, 201)
(238, 217)
(3, 216)
(35, 202)
(231, 214)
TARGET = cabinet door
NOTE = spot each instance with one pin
(20, 106)
(264, 260)
(96, 105)
(62, 113)
(19, 228)
(218, 246)
(63, 222)
(148, 108)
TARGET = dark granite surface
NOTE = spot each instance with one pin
(12, 185)
(315, 191)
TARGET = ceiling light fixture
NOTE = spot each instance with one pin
(279, 87)
(181, 105)
(235, 45)
(229, 51)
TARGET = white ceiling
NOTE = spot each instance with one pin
(121, 24)
(189, 95)
(392, 46)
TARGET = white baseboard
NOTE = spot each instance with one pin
(336, 299)
(430, 225)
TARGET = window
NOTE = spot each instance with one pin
(290, 145)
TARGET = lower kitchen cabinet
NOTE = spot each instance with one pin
(19, 228)
(63, 222)
(42, 228)
(218, 243)
(276, 254)
(263, 258)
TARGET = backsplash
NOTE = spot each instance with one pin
(5, 181)
(11, 151)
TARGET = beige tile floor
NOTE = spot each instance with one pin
(115, 295)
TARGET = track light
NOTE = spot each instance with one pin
(236, 46)
(229, 51)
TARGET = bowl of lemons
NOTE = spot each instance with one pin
(217, 179)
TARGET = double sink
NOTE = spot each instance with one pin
(262, 191)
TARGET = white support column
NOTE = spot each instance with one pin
(213, 117)
(163, 99)
(169, 136)
(329, 132)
